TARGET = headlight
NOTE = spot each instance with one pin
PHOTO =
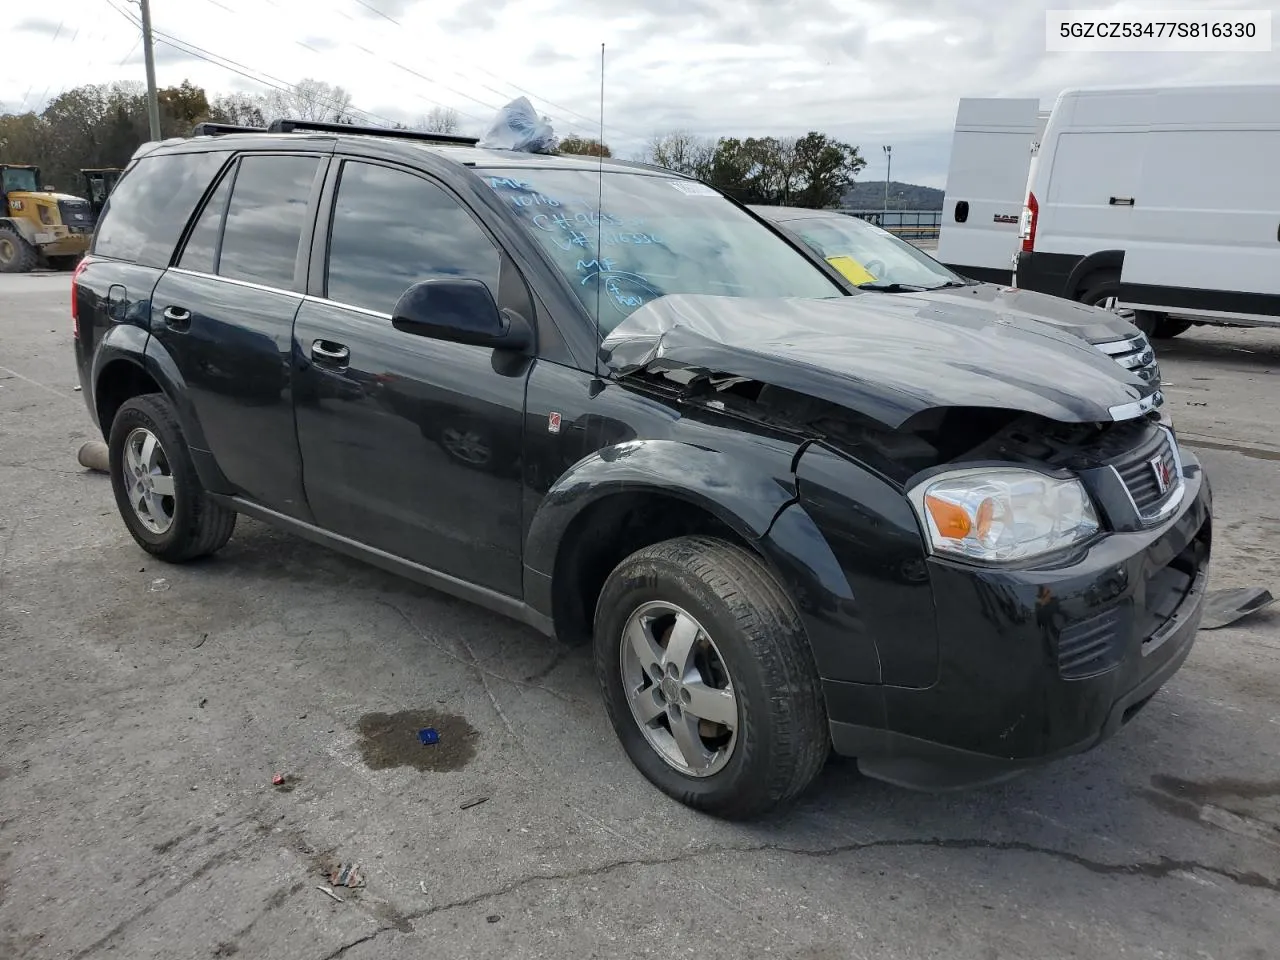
(1000, 514)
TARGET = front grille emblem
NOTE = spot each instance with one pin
(1163, 471)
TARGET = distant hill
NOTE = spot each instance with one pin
(869, 195)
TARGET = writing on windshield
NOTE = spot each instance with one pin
(625, 239)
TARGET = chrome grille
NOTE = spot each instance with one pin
(1136, 354)
(1153, 478)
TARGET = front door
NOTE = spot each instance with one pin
(409, 444)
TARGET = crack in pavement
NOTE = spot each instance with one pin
(1154, 870)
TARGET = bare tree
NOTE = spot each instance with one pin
(682, 152)
(310, 99)
(440, 120)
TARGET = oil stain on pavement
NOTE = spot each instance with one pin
(391, 740)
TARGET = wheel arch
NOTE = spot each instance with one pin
(622, 498)
(1095, 263)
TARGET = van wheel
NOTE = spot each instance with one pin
(708, 678)
(1157, 326)
(16, 255)
(1100, 290)
(158, 493)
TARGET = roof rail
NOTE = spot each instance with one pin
(320, 126)
(218, 129)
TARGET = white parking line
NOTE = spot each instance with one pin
(37, 383)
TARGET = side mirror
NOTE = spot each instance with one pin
(460, 311)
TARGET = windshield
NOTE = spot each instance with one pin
(656, 236)
(22, 180)
(879, 257)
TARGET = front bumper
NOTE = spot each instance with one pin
(1039, 663)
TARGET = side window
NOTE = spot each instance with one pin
(392, 229)
(201, 251)
(265, 218)
(150, 206)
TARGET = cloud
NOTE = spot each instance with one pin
(869, 72)
(49, 28)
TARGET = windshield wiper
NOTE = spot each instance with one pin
(892, 287)
(952, 283)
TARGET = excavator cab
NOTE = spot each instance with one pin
(38, 225)
(98, 184)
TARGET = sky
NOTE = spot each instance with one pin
(869, 72)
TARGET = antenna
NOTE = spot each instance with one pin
(600, 211)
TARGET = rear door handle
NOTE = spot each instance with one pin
(178, 318)
(333, 354)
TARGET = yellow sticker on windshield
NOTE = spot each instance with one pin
(853, 271)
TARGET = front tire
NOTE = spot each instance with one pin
(1157, 326)
(16, 255)
(1100, 290)
(158, 493)
(708, 678)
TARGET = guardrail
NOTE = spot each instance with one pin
(908, 224)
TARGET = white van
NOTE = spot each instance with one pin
(1164, 200)
(987, 184)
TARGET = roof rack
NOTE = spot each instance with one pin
(321, 126)
(218, 129)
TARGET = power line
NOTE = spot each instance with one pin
(249, 73)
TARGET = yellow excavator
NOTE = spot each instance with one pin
(37, 225)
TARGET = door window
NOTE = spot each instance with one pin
(265, 219)
(392, 229)
(201, 251)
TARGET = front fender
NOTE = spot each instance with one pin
(746, 500)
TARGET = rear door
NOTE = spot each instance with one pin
(409, 444)
(224, 314)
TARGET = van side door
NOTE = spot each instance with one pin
(224, 316)
(410, 444)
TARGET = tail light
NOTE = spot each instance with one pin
(75, 299)
(1027, 223)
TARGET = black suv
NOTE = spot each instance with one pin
(608, 401)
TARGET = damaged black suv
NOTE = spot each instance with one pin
(943, 538)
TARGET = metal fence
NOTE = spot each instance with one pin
(908, 224)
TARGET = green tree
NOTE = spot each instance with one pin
(826, 168)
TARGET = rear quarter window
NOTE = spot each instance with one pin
(151, 204)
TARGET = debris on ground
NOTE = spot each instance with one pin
(285, 782)
(346, 875)
(493, 918)
(1223, 607)
(329, 893)
(428, 736)
(473, 802)
(159, 585)
(93, 455)
(203, 701)
(200, 643)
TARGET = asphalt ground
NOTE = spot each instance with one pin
(145, 709)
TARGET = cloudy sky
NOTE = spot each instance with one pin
(871, 72)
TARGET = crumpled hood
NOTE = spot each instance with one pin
(1089, 323)
(886, 357)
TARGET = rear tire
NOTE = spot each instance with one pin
(158, 493)
(16, 255)
(1099, 288)
(749, 652)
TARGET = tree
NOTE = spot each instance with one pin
(826, 167)
(585, 146)
(682, 152)
(239, 109)
(309, 99)
(181, 108)
(440, 120)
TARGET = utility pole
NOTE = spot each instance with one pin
(148, 54)
(888, 154)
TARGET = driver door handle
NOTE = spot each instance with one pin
(327, 352)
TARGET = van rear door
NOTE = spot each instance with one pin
(986, 183)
